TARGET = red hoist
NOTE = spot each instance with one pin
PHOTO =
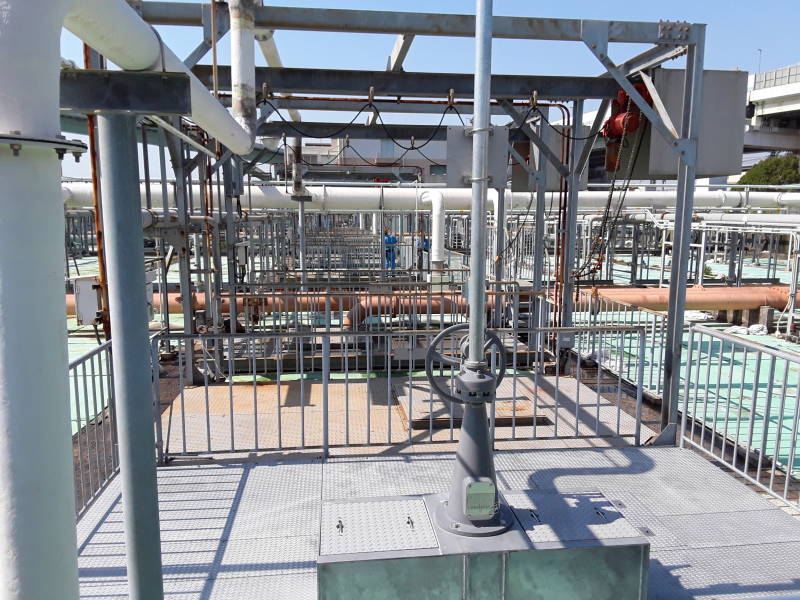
(625, 119)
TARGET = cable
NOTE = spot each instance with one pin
(325, 164)
(601, 242)
(458, 114)
(519, 230)
(425, 156)
(561, 133)
(301, 133)
(413, 146)
(370, 105)
(374, 164)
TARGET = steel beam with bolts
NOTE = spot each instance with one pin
(398, 22)
(91, 91)
(415, 85)
(361, 132)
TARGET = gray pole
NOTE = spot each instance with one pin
(299, 194)
(480, 182)
(540, 255)
(473, 506)
(572, 219)
(500, 245)
(175, 148)
(693, 97)
(131, 353)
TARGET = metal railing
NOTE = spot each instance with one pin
(742, 405)
(359, 305)
(324, 389)
(593, 311)
(93, 420)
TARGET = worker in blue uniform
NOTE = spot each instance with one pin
(390, 245)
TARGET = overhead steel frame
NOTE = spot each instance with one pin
(670, 38)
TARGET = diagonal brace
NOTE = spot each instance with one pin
(534, 137)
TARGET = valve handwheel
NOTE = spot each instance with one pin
(433, 355)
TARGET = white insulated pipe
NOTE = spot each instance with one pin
(37, 502)
(436, 200)
(37, 498)
(772, 220)
(117, 32)
(243, 65)
(78, 194)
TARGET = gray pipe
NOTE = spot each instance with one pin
(124, 249)
(480, 183)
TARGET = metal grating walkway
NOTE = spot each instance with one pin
(250, 530)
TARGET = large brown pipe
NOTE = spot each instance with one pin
(697, 298)
(747, 297)
(287, 301)
(403, 305)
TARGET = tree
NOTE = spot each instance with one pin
(775, 170)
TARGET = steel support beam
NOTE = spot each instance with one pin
(690, 129)
(539, 180)
(384, 106)
(397, 22)
(89, 91)
(588, 146)
(222, 21)
(598, 45)
(415, 85)
(650, 58)
(402, 45)
(363, 132)
(499, 248)
(571, 233)
(399, 52)
(124, 247)
(534, 137)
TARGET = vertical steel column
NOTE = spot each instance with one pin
(733, 249)
(690, 125)
(539, 254)
(480, 181)
(500, 245)
(376, 223)
(232, 178)
(570, 237)
(162, 245)
(131, 356)
(175, 149)
(93, 60)
(474, 479)
(299, 195)
(635, 253)
(701, 260)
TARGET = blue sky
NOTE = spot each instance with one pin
(736, 30)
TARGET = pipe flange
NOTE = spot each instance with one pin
(16, 141)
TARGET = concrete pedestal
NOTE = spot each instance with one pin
(570, 546)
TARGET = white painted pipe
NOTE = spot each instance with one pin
(772, 220)
(37, 498)
(117, 32)
(437, 225)
(78, 194)
(243, 65)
